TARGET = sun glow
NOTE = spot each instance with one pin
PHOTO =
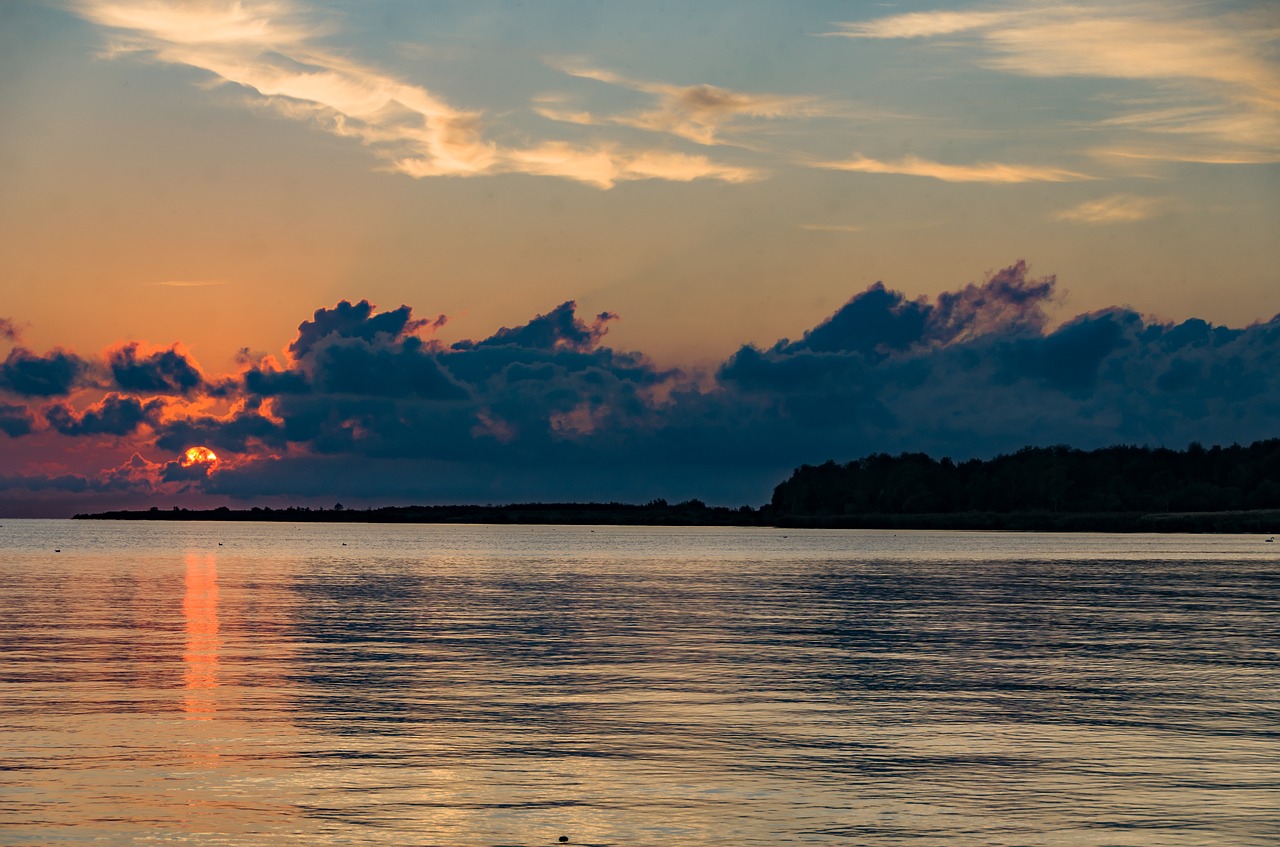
(198, 456)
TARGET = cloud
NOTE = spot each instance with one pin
(1118, 208)
(165, 371)
(559, 329)
(1215, 81)
(548, 401)
(982, 172)
(274, 54)
(922, 24)
(878, 322)
(364, 406)
(605, 165)
(696, 113)
(9, 330)
(15, 421)
(114, 415)
(137, 475)
(54, 374)
(348, 320)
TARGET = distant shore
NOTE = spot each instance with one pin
(695, 513)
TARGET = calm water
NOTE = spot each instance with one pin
(280, 684)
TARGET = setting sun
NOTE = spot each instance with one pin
(198, 456)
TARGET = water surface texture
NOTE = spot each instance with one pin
(284, 684)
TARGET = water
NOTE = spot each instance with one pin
(280, 684)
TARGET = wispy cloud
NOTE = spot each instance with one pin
(994, 172)
(697, 113)
(921, 24)
(1118, 208)
(1216, 77)
(274, 52)
(604, 166)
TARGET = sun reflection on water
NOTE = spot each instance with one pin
(200, 658)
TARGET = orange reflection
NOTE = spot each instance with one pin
(200, 659)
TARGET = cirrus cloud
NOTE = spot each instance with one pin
(1117, 208)
(275, 54)
(1214, 80)
(992, 172)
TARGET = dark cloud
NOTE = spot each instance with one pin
(1007, 304)
(241, 432)
(403, 368)
(559, 329)
(367, 408)
(347, 320)
(268, 382)
(15, 421)
(520, 394)
(107, 482)
(1069, 358)
(978, 372)
(115, 415)
(43, 482)
(174, 471)
(875, 322)
(168, 371)
(9, 330)
(879, 322)
(54, 374)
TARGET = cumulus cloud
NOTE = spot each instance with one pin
(971, 371)
(356, 320)
(53, 374)
(164, 371)
(15, 421)
(879, 321)
(979, 371)
(365, 406)
(135, 476)
(114, 415)
(275, 54)
(559, 329)
(1215, 83)
(982, 172)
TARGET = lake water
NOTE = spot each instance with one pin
(286, 684)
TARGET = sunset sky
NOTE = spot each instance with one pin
(439, 252)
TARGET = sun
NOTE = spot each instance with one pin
(198, 456)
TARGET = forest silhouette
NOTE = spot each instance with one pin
(1120, 489)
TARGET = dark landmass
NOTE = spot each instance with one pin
(622, 514)
(1042, 479)
(1263, 521)
(1053, 489)
(1114, 489)
(655, 513)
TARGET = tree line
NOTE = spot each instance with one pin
(1060, 479)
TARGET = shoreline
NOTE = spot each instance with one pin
(1258, 521)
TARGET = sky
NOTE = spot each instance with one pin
(391, 252)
